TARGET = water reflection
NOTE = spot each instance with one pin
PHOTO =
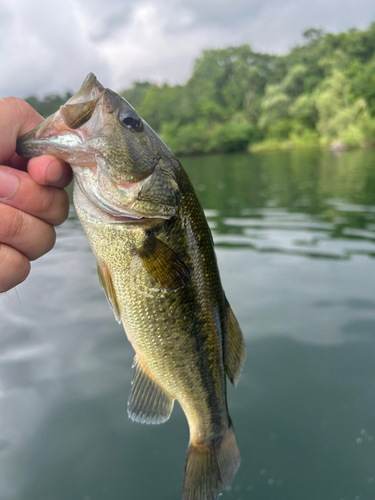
(309, 431)
(294, 232)
(303, 203)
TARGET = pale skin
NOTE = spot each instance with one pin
(32, 198)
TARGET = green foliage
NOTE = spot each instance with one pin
(322, 92)
(275, 106)
(340, 118)
(304, 110)
(137, 93)
(204, 137)
(187, 139)
(363, 82)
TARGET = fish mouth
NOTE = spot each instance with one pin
(66, 128)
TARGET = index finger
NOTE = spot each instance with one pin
(17, 118)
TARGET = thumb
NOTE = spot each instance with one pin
(17, 118)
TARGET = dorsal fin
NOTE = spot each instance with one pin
(105, 280)
(235, 347)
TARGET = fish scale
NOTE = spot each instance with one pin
(157, 266)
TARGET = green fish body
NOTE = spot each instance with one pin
(157, 266)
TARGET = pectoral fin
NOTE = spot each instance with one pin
(148, 403)
(236, 348)
(106, 283)
(164, 265)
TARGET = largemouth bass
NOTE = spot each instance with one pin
(157, 266)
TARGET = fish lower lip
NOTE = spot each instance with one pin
(126, 219)
(120, 218)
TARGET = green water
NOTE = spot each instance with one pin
(295, 240)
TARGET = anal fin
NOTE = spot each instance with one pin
(106, 283)
(148, 403)
(235, 349)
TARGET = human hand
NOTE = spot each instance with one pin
(32, 200)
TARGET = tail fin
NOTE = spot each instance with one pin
(210, 467)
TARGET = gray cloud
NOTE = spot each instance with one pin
(50, 46)
(106, 21)
(224, 14)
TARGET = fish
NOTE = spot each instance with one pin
(157, 266)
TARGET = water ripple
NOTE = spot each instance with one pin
(289, 232)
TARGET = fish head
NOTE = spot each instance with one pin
(120, 164)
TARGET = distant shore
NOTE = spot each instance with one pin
(319, 95)
(336, 146)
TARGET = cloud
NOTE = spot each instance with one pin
(43, 49)
(49, 46)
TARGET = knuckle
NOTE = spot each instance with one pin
(49, 240)
(47, 201)
(14, 267)
(54, 206)
(62, 208)
(15, 224)
(23, 268)
(17, 105)
(10, 101)
(52, 240)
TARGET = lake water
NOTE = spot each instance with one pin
(295, 241)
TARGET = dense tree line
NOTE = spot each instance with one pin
(320, 94)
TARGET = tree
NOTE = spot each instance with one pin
(340, 119)
(322, 90)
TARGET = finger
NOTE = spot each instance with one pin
(17, 117)
(14, 267)
(27, 234)
(19, 190)
(17, 162)
(47, 170)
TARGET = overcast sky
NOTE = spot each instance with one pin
(49, 46)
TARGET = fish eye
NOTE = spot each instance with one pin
(130, 119)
